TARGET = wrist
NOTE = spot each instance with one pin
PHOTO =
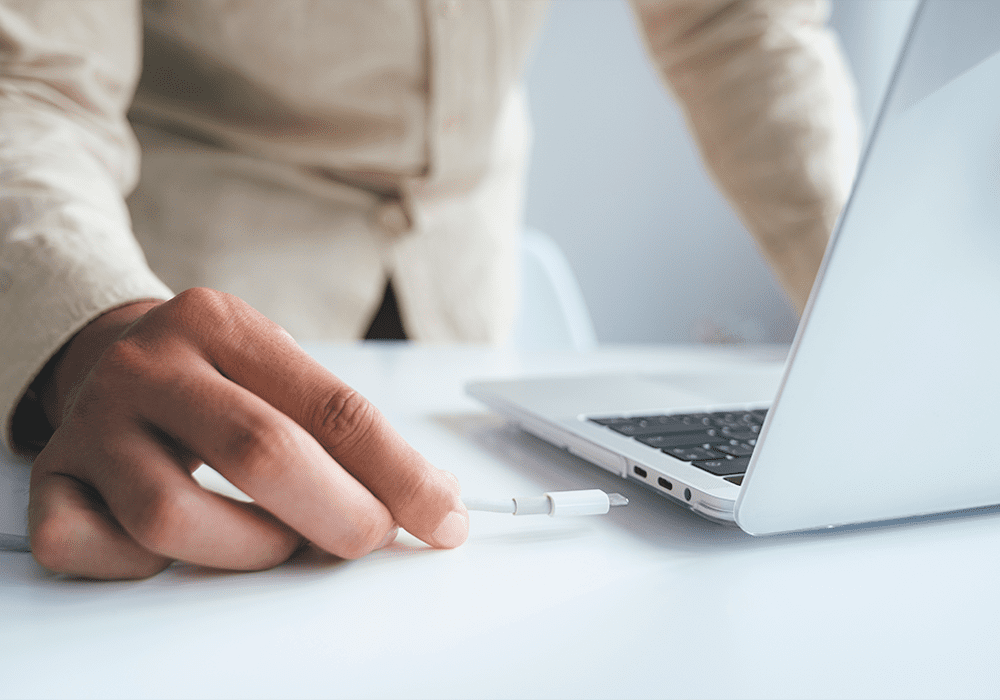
(59, 380)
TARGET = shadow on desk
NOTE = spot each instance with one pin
(649, 516)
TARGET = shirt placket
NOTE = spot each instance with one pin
(462, 82)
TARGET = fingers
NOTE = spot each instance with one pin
(206, 377)
(258, 356)
(271, 458)
(149, 512)
(165, 510)
(72, 534)
(421, 498)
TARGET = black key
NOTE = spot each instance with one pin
(741, 449)
(665, 419)
(724, 467)
(695, 419)
(730, 419)
(747, 432)
(736, 479)
(736, 417)
(708, 437)
(655, 425)
(690, 454)
(626, 426)
(691, 417)
(640, 428)
(676, 428)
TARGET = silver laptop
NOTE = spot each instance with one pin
(890, 396)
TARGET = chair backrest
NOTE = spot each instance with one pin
(552, 314)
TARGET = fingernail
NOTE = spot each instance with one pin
(389, 538)
(452, 531)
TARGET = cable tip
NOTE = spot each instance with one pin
(14, 543)
(616, 499)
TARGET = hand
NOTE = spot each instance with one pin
(146, 393)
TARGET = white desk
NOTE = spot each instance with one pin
(648, 601)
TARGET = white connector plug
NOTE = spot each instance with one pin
(554, 503)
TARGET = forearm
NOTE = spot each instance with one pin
(771, 104)
(66, 161)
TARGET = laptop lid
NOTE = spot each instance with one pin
(893, 387)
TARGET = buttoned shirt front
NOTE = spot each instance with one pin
(300, 153)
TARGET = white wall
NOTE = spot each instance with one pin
(615, 179)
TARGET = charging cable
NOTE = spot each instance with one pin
(14, 543)
(554, 503)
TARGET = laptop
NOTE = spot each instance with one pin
(888, 400)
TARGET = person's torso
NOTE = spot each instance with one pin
(396, 87)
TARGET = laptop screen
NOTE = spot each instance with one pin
(896, 358)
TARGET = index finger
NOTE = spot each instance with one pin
(258, 355)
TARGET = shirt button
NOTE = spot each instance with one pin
(392, 218)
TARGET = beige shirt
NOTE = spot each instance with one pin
(299, 153)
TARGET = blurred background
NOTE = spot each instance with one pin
(616, 181)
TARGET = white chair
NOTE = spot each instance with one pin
(553, 314)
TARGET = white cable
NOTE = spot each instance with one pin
(14, 543)
(554, 503)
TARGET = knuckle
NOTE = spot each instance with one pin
(163, 522)
(200, 300)
(241, 441)
(412, 490)
(277, 543)
(421, 499)
(121, 359)
(345, 419)
(59, 542)
(201, 310)
(121, 368)
(256, 447)
(366, 536)
(144, 569)
(53, 542)
(276, 554)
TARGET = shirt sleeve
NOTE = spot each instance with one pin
(68, 69)
(771, 104)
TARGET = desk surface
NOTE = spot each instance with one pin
(648, 601)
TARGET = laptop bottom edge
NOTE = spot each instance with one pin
(674, 487)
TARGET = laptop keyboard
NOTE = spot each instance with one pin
(720, 443)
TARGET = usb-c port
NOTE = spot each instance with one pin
(639, 471)
(665, 484)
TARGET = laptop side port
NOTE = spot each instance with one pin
(705, 504)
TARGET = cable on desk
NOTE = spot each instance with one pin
(14, 543)
(554, 503)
